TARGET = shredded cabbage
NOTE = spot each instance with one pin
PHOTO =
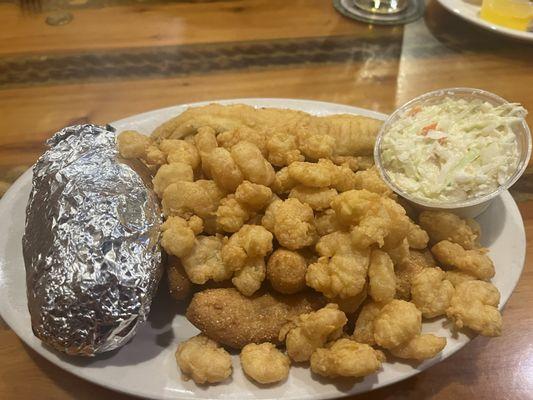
(454, 150)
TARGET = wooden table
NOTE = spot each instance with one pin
(115, 58)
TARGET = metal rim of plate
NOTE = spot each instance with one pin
(414, 10)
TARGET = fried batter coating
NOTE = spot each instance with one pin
(364, 324)
(231, 137)
(310, 331)
(397, 322)
(420, 347)
(187, 198)
(371, 181)
(346, 358)
(382, 281)
(408, 269)
(204, 261)
(132, 144)
(283, 182)
(349, 305)
(180, 151)
(269, 218)
(398, 254)
(252, 164)
(417, 237)
(235, 320)
(171, 173)
(178, 235)
(179, 285)
(442, 225)
(317, 198)
(352, 206)
(326, 222)
(231, 215)
(474, 262)
(292, 222)
(286, 271)
(282, 148)
(249, 278)
(249, 242)
(264, 363)
(457, 277)
(203, 360)
(474, 305)
(315, 145)
(347, 161)
(431, 292)
(345, 180)
(223, 169)
(337, 242)
(320, 174)
(253, 196)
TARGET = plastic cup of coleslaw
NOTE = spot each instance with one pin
(473, 204)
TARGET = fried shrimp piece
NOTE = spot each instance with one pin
(178, 235)
(442, 225)
(249, 278)
(382, 281)
(346, 358)
(474, 305)
(231, 215)
(204, 261)
(282, 148)
(235, 320)
(457, 277)
(317, 198)
(345, 179)
(421, 347)
(205, 140)
(431, 292)
(310, 331)
(187, 198)
(264, 363)
(249, 242)
(171, 173)
(340, 276)
(179, 285)
(397, 322)
(231, 137)
(371, 181)
(417, 237)
(269, 218)
(315, 145)
(352, 206)
(474, 262)
(203, 360)
(337, 242)
(252, 164)
(132, 144)
(408, 269)
(292, 222)
(253, 196)
(347, 161)
(320, 174)
(326, 222)
(398, 254)
(286, 271)
(223, 169)
(349, 305)
(177, 150)
(155, 157)
(364, 324)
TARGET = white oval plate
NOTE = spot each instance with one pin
(146, 367)
(470, 12)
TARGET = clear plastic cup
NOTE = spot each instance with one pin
(474, 206)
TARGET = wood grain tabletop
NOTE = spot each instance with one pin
(73, 61)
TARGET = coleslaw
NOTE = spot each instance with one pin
(454, 150)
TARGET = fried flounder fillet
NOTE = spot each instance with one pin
(234, 320)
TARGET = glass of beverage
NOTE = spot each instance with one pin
(515, 14)
(381, 6)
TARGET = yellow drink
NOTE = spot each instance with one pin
(515, 14)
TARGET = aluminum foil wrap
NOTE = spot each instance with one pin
(91, 244)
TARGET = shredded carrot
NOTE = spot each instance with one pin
(427, 128)
(415, 110)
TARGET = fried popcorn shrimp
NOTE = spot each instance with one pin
(351, 304)
(345, 179)
(339, 276)
(223, 169)
(171, 173)
(474, 262)
(310, 331)
(269, 218)
(179, 285)
(283, 182)
(231, 137)
(249, 242)
(317, 198)
(264, 363)
(417, 237)
(421, 347)
(249, 278)
(326, 222)
(177, 150)
(286, 271)
(346, 358)
(397, 322)
(205, 142)
(282, 148)
(203, 360)
(293, 223)
(431, 292)
(320, 174)
(252, 164)
(442, 225)
(398, 254)
(213, 191)
(337, 242)
(231, 215)
(253, 196)
(347, 161)
(457, 277)
(187, 198)
(154, 156)
(382, 281)
(408, 269)
(350, 207)
(315, 145)
(371, 181)
(364, 324)
(204, 261)
(474, 305)
(132, 144)
(178, 236)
